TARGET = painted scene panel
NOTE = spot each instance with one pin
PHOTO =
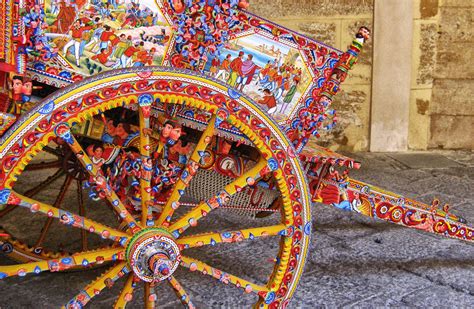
(272, 73)
(86, 37)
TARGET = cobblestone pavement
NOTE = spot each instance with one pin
(353, 261)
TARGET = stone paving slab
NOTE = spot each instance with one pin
(353, 261)
(424, 160)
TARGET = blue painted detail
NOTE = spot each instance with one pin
(332, 62)
(65, 74)
(233, 94)
(270, 298)
(47, 108)
(307, 228)
(123, 240)
(74, 304)
(145, 99)
(344, 205)
(39, 66)
(320, 82)
(66, 260)
(189, 113)
(4, 194)
(272, 164)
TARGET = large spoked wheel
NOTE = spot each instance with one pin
(158, 241)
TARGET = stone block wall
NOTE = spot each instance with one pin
(442, 104)
(441, 107)
(424, 52)
(452, 100)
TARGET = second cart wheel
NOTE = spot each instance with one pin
(156, 234)
(56, 177)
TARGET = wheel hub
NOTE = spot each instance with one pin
(153, 255)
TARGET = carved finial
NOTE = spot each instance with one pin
(363, 35)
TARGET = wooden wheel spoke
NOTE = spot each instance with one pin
(231, 236)
(192, 217)
(181, 292)
(6, 210)
(68, 218)
(145, 178)
(81, 259)
(226, 278)
(95, 287)
(57, 204)
(126, 294)
(82, 212)
(33, 191)
(44, 165)
(54, 151)
(98, 177)
(149, 295)
(187, 174)
(38, 188)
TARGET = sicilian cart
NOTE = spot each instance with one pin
(128, 125)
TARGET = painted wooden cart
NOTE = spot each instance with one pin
(164, 116)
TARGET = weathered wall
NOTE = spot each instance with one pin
(441, 108)
(334, 22)
(425, 37)
(442, 104)
(452, 101)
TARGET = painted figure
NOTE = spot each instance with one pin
(109, 134)
(122, 134)
(215, 64)
(171, 132)
(103, 57)
(268, 100)
(76, 37)
(126, 58)
(236, 70)
(96, 152)
(224, 69)
(248, 70)
(291, 92)
(21, 90)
